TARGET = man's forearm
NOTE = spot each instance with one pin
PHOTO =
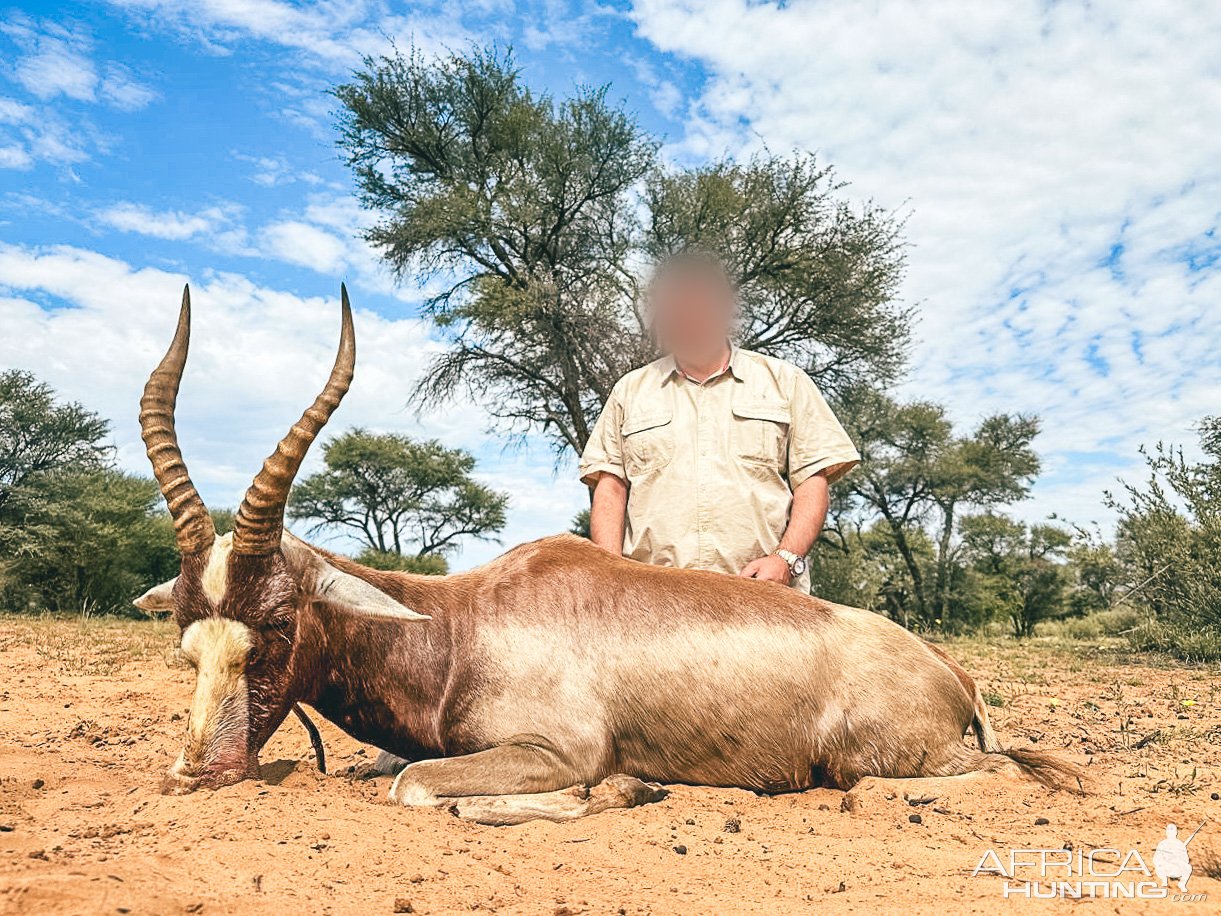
(608, 513)
(809, 511)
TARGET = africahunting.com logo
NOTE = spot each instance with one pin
(1080, 873)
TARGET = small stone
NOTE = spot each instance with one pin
(1215, 796)
(690, 822)
(1041, 822)
(403, 905)
(733, 825)
(915, 818)
(38, 783)
(680, 849)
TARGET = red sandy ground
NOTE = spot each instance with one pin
(91, 714)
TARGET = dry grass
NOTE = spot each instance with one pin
(83, 645)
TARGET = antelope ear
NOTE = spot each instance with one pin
(355, 595)
(159, 599)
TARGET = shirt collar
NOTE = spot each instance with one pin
(736, 365)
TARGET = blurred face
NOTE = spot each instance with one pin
(693, 312)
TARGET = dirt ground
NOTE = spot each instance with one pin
(91, 715)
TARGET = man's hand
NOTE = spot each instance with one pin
(770, 568)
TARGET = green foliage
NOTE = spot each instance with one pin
(538, 215)
(90, 539)
(38, 435)
(1015, 572)
(429, 565)
(580, 524)
(916, 477)
(1098, 575)
(1169, 543)
(75, 534)
(850, 567)
(397, 493)
(1113, 623)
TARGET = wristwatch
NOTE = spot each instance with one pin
(797, 563)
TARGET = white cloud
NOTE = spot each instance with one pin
(26, 134)
(165, 224)
(15, 157)
(331, 34)
(14, 112)
(305, 245)
(258, 356)
(322, 236)
(54, 60)
(1061, 167)
(121, 90)
(273, 171)
(55, 66)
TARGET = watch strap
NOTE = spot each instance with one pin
(789, 557)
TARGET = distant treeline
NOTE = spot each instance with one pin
(916, 533)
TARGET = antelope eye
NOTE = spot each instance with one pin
(280, 623)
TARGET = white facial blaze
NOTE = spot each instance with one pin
(216, 573)
(219, 718)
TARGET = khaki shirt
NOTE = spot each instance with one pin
(711, 467)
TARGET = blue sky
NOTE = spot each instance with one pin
(1058, 166)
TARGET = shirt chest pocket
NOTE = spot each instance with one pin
(761, 433)
(648, 442)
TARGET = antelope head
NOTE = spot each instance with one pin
(240, 599)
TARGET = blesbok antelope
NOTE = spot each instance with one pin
(554, 667)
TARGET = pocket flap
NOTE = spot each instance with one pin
(638, 424)
(763, 410)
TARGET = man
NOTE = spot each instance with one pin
(712, 457)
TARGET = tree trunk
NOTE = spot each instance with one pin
(942, 597)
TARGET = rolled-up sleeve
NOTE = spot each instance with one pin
(817, 440)
(604, 450)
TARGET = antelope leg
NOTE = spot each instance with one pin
(514, 783)
(617, 791)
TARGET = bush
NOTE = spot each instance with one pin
(85, 541)
(1170, 544)
(1115, 622)
(428, 565)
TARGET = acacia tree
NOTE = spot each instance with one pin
(917, 474)
(398, 493)
(1019, 570)
(538, 216)
(39, 435)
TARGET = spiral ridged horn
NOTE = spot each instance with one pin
(193, 527)
(260, 518)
